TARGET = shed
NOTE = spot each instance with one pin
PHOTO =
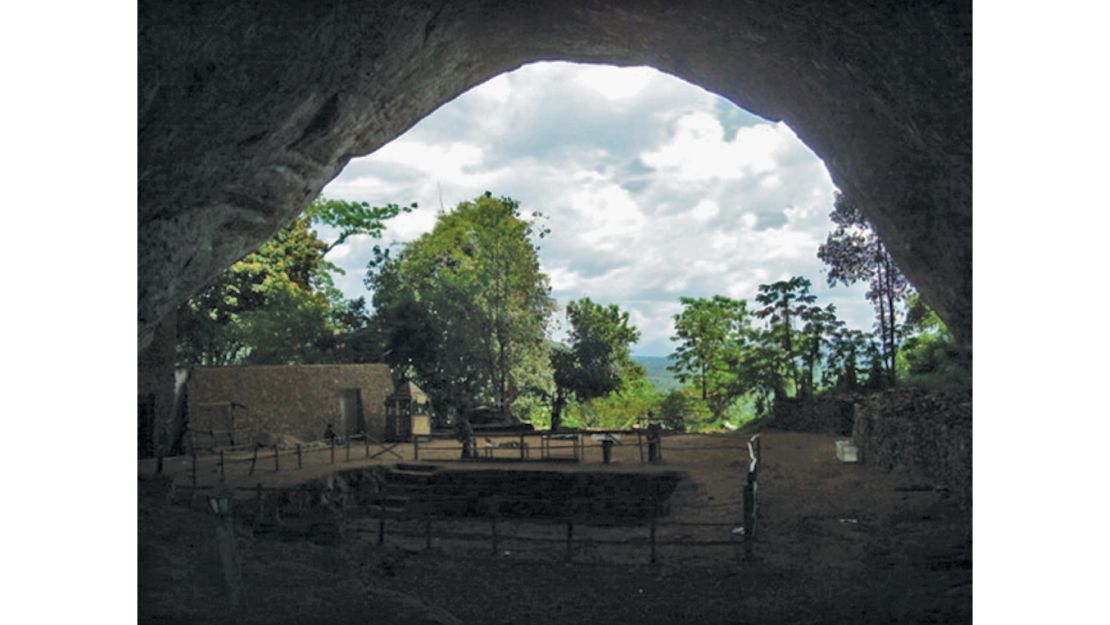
(261, 403)
(408, 412)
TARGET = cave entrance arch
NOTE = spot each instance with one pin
(246, 111)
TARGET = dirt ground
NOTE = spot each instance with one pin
(836, 543)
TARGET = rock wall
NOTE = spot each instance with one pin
(911, 428)
(821, 415)
(156, 391)
(247, 109)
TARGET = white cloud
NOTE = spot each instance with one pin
(653, 188)
(615, 83)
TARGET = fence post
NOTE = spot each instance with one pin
(277, 463)
(332, 439)
(415, 447)
(570, 537)
(522, 445)
(640, 444)
(366, 443)
(254, 459)
(348, 449)
(222, 465)
(194, 469)
(299, 465)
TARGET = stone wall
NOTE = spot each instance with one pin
(294, 400)
(822, 415)
(915, 429)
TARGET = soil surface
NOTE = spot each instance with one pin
(834, 543)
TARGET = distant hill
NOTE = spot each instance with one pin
(657, 373)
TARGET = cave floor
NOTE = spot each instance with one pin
(836, 543)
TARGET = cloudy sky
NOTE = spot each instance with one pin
(653, 189)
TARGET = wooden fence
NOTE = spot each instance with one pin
(428, 514)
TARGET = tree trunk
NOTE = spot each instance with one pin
(557, 412)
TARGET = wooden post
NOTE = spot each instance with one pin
(640, 444)
(332, 450)
(415, 447)
(222, 476)
(348, 449)
(569, 536)
(758, 453)
(522, 445)
(194, 469)
(366, 443)
(277, 462)
(254, 459)
(299, 465)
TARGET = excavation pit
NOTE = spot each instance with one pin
(603, 497)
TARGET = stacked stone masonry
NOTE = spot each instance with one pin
(918, 430)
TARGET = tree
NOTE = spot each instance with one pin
(819, 324)
(597, 359)
(853, 252)
(711, 336)
(785, 303)
(279, 303)
(846, 348)
(929, 355)
(351, 218)
(464, 308)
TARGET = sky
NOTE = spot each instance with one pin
(653, 189)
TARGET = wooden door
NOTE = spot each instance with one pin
(350, 411)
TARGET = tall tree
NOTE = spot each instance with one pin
(711, 334)
(784, 304)
(597, 360)
(853, 252)
(818, 327)
(464, 308)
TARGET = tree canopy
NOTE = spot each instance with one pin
(464, 308)
(597, 360)
(853, 253)
(279, 304)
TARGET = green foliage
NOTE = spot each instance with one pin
(279, 303)
(853, 253)
(712, 335)
(464, 308)
(785, 304)
(351, 218)
(930, 356)
(619, 409)
(597, 360)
